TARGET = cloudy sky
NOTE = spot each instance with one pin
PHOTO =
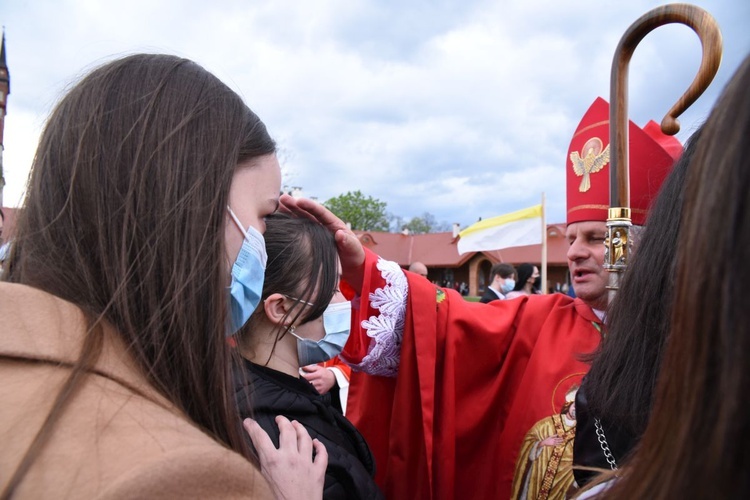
(460, 108)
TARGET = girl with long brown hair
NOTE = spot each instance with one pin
(138, 250)
(614, 401)
(695, 443)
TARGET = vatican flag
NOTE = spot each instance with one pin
(523, 227)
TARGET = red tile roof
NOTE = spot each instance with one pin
(439, 249)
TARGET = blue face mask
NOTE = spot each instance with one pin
(248, 272)
(508, 286)
(336, 323)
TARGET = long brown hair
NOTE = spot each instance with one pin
(619, 386)
(695, 445)
(124, 217)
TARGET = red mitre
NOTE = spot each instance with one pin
(652, 154)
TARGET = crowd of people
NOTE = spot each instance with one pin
(169, 319)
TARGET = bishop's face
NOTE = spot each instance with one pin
(586, 261)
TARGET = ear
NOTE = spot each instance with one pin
(276, 308)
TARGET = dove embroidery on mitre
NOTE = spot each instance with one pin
(593, 161)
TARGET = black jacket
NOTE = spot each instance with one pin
(587, 450)
(263, 393)
(489, 296)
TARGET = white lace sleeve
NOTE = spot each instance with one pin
(387, 329)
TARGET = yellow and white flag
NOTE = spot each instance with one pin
(523, 227)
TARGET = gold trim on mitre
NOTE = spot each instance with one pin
(604, 207)
(589, 127)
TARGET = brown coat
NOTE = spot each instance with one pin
(110, 442)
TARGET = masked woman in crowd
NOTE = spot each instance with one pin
(528, 281)
(144, 207)
(303, 319)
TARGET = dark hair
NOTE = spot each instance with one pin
(2, 215)
(302, 264)
(620, 384)
(124, 216)
(525, 271)
(503, 270)
(695, 444)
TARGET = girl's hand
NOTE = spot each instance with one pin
(291, 470)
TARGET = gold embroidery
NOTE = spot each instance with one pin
(557, 454)
(604, 207)
(589, 127)
(594, 159)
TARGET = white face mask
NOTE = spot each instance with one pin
(336, 323)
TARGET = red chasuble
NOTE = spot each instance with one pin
(473, 379)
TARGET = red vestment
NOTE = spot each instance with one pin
(472, 380)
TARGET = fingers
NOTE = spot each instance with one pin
(287, 433)
(352, 256)
(293, 436)
(321, 214)
(311, 374)
(321, 456)
(301, 207)
(304, 442)
(258, 436)
(287, 204)
(291, 470)
(350, 249)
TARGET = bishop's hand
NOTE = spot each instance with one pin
(350, 249)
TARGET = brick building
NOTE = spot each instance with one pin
(446, 267)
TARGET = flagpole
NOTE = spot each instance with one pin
(544, 247)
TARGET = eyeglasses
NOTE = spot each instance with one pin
(298, 300)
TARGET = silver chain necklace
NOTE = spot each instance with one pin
(603, 443)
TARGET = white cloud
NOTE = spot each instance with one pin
(456, 108)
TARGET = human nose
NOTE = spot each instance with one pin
(577, 251)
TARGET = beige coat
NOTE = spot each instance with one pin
(110, 442)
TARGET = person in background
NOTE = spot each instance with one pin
(137, 251)
(417, 267)
(502, 281)
(528, 281)
(303, 319)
